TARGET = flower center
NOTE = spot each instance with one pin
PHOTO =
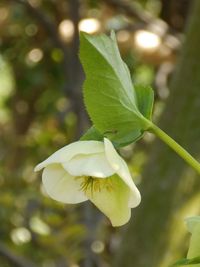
(95, 184)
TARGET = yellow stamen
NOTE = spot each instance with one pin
(95, 184)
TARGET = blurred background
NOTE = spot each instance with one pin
(41, 110)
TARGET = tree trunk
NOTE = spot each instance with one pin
(155, 237)
(175, 13)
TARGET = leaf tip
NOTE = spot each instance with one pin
(113, 35)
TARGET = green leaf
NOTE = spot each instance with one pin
(92, 134)
(108, 91)
(145, 98)
(184, 262)
(128, 139)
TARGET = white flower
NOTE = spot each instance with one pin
(91, 170)
(193, 225)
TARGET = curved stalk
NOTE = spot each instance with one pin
(175, 146)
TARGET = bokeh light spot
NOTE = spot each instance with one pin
(90, 25)
(66, 29)
(97, 246)
(20, 235)
(34, 56)
(147, 40)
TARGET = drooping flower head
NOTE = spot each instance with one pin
(91, 170)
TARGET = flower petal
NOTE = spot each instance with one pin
(68, 152)
(191, 223)
(61, 186)
(112, 199)
(121, 168)
(95, 165)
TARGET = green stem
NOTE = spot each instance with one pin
(175, 146)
